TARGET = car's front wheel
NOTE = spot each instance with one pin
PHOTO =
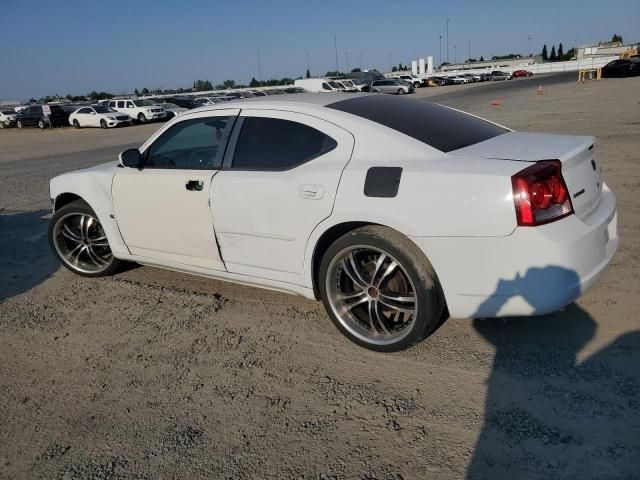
(142, 118)
(76, 124)
(401, 91)
(380, 290)
(103, 124)
(79, 241)
(41, 124)
(20, 124)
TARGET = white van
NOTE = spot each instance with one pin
(317, 85)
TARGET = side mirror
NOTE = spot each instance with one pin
(130, 158)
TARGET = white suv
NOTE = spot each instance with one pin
(412, 79)
(141, 110)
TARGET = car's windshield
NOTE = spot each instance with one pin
(143, 103)
(102, 109)
(440, 127)
(334, 85)
(170, 105)
(8, 112)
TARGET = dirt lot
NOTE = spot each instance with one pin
(154, 374)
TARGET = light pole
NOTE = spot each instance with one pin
(455, 58)
(335, 43)
(390, 67)
(440, 37)
(346, 61)
(529, 46)
(360, 60)
(308, 64)
(469, 51)
(259, 68)
(448, 40)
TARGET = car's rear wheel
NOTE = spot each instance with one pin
(1, 124)
(41, 124)
(103, 124)
(76, 124)
(142, 118)
(401, 91)
(79, 241)
(380, 290)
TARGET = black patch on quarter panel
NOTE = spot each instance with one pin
(382, 182)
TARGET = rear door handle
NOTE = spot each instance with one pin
(311, 192)
(194, 185)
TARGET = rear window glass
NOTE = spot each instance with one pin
(435, 125)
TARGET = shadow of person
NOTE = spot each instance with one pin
(546, 414)
(25, 257)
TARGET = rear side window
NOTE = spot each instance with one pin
(276, 144)
(437, 126)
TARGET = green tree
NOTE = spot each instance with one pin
(145, 91)
(481, 58)
(229, 84)
(616, 38)
(136, 92)
(308, 75)
(545, 55)
(254, 83)
(355, 70)
(93, 95)
(560, 53)
(553, 57)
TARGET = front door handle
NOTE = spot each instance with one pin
(194, 185)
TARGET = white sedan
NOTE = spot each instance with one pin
(394, 212)
(98, 116)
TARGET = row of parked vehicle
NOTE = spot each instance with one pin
(120, 112)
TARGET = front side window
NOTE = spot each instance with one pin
(84, 110)
(326, 86)
(129, 104)
(196, 144)
(276, 144)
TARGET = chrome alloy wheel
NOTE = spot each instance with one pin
(81, 243)
(371, 294)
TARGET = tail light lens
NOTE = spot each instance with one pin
(540, 194)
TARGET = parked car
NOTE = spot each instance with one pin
(412, 79)
(458, 80)
(202, 101)
(390, 85)
(360, 84)
(471, 77)
(337, 190)
(241, 94)
(317, 85)
(499, 75)
(141, 110)
(172, 109)
(521, 73)
(36, 115)
(98, 116)
(7, 118)
(183, 102)
(259, 93)
(624, 67)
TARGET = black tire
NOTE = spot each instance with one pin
(79, 208)
(1, 124)
(41, 124)
(401, 91)
(428, 293)
(76, 124)
(103, 124)
(20, 124)
(142, 118)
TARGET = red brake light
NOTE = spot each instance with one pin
(540, 194)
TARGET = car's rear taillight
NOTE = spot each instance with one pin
(540, 194)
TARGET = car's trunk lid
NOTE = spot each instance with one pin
(581, 172)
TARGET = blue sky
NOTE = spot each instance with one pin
(73, 46)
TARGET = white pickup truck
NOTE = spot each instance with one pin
(141, 110)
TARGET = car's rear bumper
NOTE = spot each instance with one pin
(533, 271)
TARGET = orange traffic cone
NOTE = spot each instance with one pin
(540, 90)
(495, 103)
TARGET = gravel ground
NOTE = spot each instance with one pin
(155, 374)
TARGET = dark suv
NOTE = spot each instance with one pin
(35, 116)
(183, 102)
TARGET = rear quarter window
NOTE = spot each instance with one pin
(437, 126)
